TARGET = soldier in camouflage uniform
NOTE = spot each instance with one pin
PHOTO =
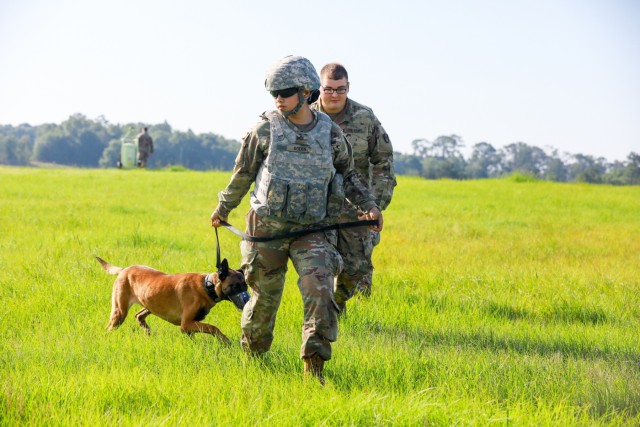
(373, 159)
(302, 168)
(145, 147)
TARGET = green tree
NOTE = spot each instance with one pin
(15, 150)
(633, 169)
(111, 155)
(16, 144)
(624, 173)
(555, 169)
(586, 168)
(445, 147)
(521, 157)
(485, 162)
(407, 164)
(421, 148)
(78, 141)
(441, 158)
(52, 146)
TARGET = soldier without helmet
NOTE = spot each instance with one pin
(145, 147)
(373, 160)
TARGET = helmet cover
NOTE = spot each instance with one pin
(292, 71)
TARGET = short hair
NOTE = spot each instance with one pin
(334, 71)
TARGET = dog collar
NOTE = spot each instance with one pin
(210, 287)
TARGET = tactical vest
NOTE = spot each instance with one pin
(297, 181)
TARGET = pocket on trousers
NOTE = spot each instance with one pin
(249, 255)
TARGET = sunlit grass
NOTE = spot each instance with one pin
(501, 302)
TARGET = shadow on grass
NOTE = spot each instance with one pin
(560, 312)
(487, 339)
(563, 312)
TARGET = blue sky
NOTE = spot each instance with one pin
(561, 74)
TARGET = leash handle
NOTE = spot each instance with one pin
(217, 250)
(337, 226)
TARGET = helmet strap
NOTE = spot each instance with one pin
(301, 100)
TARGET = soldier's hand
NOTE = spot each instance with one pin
(374, 214)
(216, 218)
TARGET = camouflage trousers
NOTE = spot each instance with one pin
(316, 261)
(364, 285)
(143, 156)
(355, 247)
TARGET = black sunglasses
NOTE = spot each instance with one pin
(284, 93)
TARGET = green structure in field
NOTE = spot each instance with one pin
(128, 152)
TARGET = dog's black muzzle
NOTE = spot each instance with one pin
(240, 299)
(237, 292)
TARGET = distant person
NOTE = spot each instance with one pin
(301, 169)
(145, 147)
(373, 160)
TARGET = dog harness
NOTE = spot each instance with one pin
(210, 288)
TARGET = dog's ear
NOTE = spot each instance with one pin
(223, 270)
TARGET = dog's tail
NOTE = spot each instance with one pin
(111, 269)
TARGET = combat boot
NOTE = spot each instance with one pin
(313, 367)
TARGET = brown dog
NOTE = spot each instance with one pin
(182, 299)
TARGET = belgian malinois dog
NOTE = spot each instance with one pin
(182, 299)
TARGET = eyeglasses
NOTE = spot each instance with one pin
(284, 93)
(329, 90)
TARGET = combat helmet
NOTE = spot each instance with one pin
(294, 71)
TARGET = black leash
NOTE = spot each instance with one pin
(298, 233)
(217, 250)
(338, 226)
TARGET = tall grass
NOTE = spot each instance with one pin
(496, 302)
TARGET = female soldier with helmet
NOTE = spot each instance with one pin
(302, 168)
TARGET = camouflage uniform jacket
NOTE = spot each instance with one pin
(255, 149)
(145, 142)
(372, 149)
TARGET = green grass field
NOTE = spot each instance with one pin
(495, 302)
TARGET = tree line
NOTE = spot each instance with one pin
(442, 158)
(83, 142)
